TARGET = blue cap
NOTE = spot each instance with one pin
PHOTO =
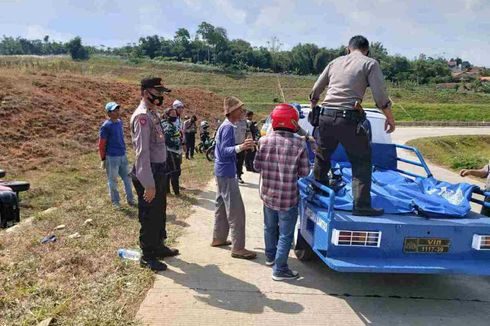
(111, 106)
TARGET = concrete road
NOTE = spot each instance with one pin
(205, 286)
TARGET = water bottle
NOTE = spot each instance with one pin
(129, 254)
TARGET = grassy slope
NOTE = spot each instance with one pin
(261, 91)
(455, 152)
(81, 281)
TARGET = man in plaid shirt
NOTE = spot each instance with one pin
(281, 159)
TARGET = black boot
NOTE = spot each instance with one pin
(166, 252)
(368, 211)
(153, 264)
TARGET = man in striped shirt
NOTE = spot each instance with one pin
(281, 159)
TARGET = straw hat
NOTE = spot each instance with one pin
(231, 103)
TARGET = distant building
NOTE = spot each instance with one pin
(453, 64)
(485, 79)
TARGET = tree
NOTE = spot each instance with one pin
(377, 51)
(322, 58)
(77, 50)
(431, 71)
(303, 56)
(150, 46)
(215, 37)
(281, 61)
(182, 44)
(396, 68)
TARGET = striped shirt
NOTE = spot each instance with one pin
(281, 159)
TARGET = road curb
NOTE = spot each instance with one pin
(444, 123)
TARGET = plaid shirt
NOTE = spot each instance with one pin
(281, 159)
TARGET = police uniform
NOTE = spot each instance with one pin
(485, 210)
(346, 79)
(150, 172)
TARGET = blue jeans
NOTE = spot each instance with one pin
(278, 233)
(118, 165)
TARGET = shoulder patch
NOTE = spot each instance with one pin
(143, 121)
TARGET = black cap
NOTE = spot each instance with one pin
(154, 82)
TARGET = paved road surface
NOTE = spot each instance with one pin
(205, 286)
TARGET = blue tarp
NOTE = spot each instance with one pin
(398, 194)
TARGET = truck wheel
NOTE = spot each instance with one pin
(302, 249)
(210, 154)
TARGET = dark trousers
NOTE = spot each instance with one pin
(174, 162)
(152, 216)
(332, 131)
(190, 142)
(249, 160)
(240, 159)
(484, 210)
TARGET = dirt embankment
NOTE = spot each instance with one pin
(46, 119)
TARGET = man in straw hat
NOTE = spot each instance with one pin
(230, 211)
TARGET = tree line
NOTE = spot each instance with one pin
(211, 45)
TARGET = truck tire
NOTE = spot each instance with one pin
(302, 249)
(210, 154)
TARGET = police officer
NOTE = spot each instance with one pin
(149, 174)
(341, 120)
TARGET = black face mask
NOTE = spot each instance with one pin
(172, 119)
(156, 100)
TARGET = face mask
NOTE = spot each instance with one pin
(156, 100)
(172, 119)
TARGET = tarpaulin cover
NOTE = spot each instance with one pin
(398, 194)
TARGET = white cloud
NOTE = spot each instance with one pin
(37, 32)
(449, 27)
(236, 15)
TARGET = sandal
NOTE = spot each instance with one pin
(222, 244)
(247, 255)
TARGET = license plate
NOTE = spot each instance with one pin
(426, 245)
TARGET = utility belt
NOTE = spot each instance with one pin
(353, 115)
(358, 117)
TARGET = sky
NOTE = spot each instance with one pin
(448, 28)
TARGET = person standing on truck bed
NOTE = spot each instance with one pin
(346, 79)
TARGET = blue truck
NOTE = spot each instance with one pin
(426, 229)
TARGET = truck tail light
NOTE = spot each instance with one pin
(356, 238)
(481, 242)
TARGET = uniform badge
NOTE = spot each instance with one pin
(142, 121)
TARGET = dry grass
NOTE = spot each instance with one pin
(80, 281)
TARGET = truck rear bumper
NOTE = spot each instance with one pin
(399, 265)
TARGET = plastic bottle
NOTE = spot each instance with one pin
(129, 254)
